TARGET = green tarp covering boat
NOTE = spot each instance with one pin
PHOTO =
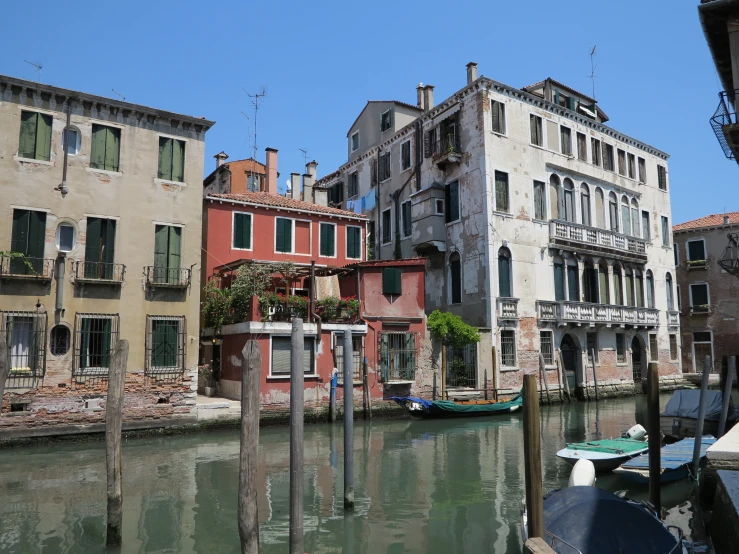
(419, 407)
(606, 454)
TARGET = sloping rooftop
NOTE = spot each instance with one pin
(714, 220)
(278, 201)
(404, 104)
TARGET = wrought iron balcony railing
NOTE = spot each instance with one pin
(98, 272)
(596, 240)
(446, 149)
(171, 277)
(724, 124)
(21, 267)
(566, 311)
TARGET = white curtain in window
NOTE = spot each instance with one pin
(20, 343)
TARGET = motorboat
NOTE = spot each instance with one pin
(679, 419)
(608, 454)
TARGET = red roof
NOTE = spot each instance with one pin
(707, 221)
(278, 201)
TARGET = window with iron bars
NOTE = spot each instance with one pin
(547, 348)
(166, 344)
(461, 366)
(95, 336)
(398, 356)
(357, 357)
(508, 348)
(25, 334)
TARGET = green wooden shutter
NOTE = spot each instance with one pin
(36, 239)
(27, 139)
(322, 239)
(573, 284)
(352, 242)
(19, 240)
(43, 137)
(112, 148)
(173, 258)
(165, 158)
(559, 282)
(97, 151)
(178, 160)
(280, 235)
(288, 241)
(92, 247)
(161, 247)
(247, 231)
(391, 281)
(238, 231)
(504, 277)
(157, 343)
(629, 289)
(108, 253)
(330, 241)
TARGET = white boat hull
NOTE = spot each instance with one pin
(602, 461)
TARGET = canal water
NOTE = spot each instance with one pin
(445, 486)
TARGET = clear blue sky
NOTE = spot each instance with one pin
(322, 60)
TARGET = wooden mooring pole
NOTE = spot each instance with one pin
(730, 376)
(251, 373)
(297, 403)
(485, 380)
(433, 389)
(563, 371)
(4, 367)
(655, 436)
(365, 391)
(701, 416)
(113, 425)
(532, 457)
(595, 375)
(348, 423)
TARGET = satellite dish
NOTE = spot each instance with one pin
(287, 184)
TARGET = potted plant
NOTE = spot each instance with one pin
(207, 374)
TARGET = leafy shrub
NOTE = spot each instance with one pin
(451, 330)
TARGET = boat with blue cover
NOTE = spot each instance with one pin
(420, 407)
(675, 460)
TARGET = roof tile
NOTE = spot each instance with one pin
(707, 221)
(278, 201)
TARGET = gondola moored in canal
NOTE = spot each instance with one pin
(419, 407)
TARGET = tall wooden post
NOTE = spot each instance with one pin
(655, 436)
(730, 376)
(495, 373)
(348, 423)
(595, 376)
(701, 416)
(443, 371)
(113, 425)
(433, 389)
(365, 390)
(297, 402)
(532, 457)
(251, 374)
(4, 366)
(563, 371)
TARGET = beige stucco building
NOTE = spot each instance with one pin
(104, 224)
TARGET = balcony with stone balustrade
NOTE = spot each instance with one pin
(564, 312)
(597, 242)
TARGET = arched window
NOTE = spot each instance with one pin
(635, 217)
(618, 291)
(650, 289)
(639, 288)
(589, 283)
(613, 211)
(505, 288)
(559, 279)
(603, 283)
(629, 281)
(554, 195)
(585, 204)
(600, 216)
(625, 216)
(569, 203)
(455, 278)
(670, 293)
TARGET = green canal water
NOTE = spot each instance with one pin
(448, 486)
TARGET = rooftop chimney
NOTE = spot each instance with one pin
(471, 72)
(271, 185)
(419, 95)
(726, 220)
(221, 157)
(428, 97)
(310, 168)
(308, 181)
(295, 186)
(321, 196)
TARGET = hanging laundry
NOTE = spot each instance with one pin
(368, 201)
(327, 286)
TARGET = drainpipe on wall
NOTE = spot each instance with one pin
(60, 268)
(63, 186)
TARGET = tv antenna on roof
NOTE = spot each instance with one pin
(38, 67)
(256, 98)
(592, 69)
(119, 94)
(305, 156)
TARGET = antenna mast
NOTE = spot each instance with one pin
(119, 94)
(305, 156)
(38, 67)
(592, 69)
(256, 99)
